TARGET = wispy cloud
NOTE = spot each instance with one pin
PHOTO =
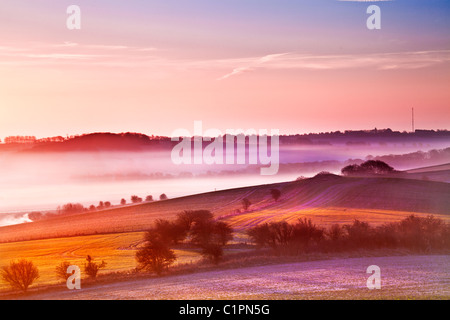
(48, 55)
(256, 63)
(70, 54)
(381, 61)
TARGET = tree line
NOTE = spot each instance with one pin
(423, 234)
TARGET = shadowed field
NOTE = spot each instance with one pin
(410, 277)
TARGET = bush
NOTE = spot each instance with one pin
(155, 256)
(305, 232)
(92, 268)
(283, 234)
(275, 194)
(262, 236)
(61, 270)
(246, 204)
(20, 275)
(360, 234)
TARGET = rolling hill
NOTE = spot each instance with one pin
(325, 199)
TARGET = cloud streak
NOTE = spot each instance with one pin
(150, 59)
(381, 61)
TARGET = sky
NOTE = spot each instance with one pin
(157, 66)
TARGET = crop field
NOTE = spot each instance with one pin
(323, 217)
(118, 251)
(402, 277)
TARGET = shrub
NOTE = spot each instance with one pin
(20, 275)
(335, 232)
(92, 268)
(359, 234)
(415, 233)
(275, 194)
(61, 270)
(304, 232)
(246, 204)
(262, 236)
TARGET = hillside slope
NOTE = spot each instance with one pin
(316, 196)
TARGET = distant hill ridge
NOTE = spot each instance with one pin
(130, 141)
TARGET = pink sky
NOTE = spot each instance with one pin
(156, 72)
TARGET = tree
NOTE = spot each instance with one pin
(155, 255)
(163, 197)
(188, 217)
(136, 199)
(107, 204)
(211, 236)
(368, 167)
(71, 208)
(92, 268)
(246, 204)
(170, 232)
(261, 235)
(149, 198)
(275, 194)
(123, 202)
(224, 232)
(20, 275)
